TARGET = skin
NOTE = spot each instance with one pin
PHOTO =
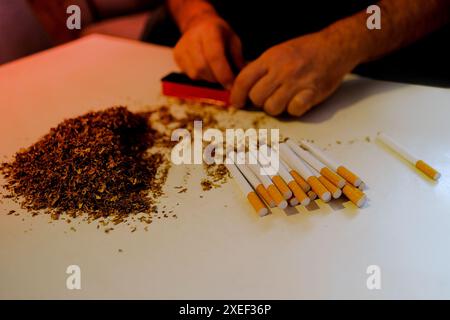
(300, 73)
(207, 42)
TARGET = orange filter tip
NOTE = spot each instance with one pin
(257, 204)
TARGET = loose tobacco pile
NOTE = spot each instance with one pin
(95, 164)
(108, 165)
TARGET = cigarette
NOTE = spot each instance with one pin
(289, 179)
(268, 184)
(331, 163)
(318, 165)
(354, 195)
(312, 195)
(362, 186)
(277, 179)
(297, 177)
(293, 201)
(419, 164)
(256, 183)
(295, 162)
(300, 181)
(245, 187)
(335, 191)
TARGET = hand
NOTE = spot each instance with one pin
(202, 50)
(295, 75)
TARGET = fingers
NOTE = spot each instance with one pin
(278, 101)
(244, 82)
(215, 54)
(192, 63)
(263, 89)
(302, 102)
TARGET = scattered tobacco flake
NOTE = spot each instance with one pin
(11, 212)
(108, 230)
(182, 190)
(217, 175)
(368, 139)
(206, 185)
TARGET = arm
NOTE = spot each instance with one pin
(300, 73)
(402, 23)
(206, 43)
(185, 12)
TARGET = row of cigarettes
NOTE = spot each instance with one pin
(304, 173)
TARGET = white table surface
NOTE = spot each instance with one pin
(213, 251)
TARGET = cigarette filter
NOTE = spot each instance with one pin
(293, 201)
(335, 191)
(354, 195)
(312, 195)
(245, 187)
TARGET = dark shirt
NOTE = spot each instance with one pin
(262, 24)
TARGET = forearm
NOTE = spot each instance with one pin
(402, 23)
(185, 12)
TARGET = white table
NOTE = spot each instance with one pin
(214, 251)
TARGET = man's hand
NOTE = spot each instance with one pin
(294, 75)
(300, 73)
(203, 50)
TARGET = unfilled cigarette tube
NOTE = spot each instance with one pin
(295, 162)
(419, 164)
(256, 184)
(334, 190)
(268, 184)
(277, 180)
(316, 164)
(245, 187)
(290, 181)
(331, 163)
(354, 195)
